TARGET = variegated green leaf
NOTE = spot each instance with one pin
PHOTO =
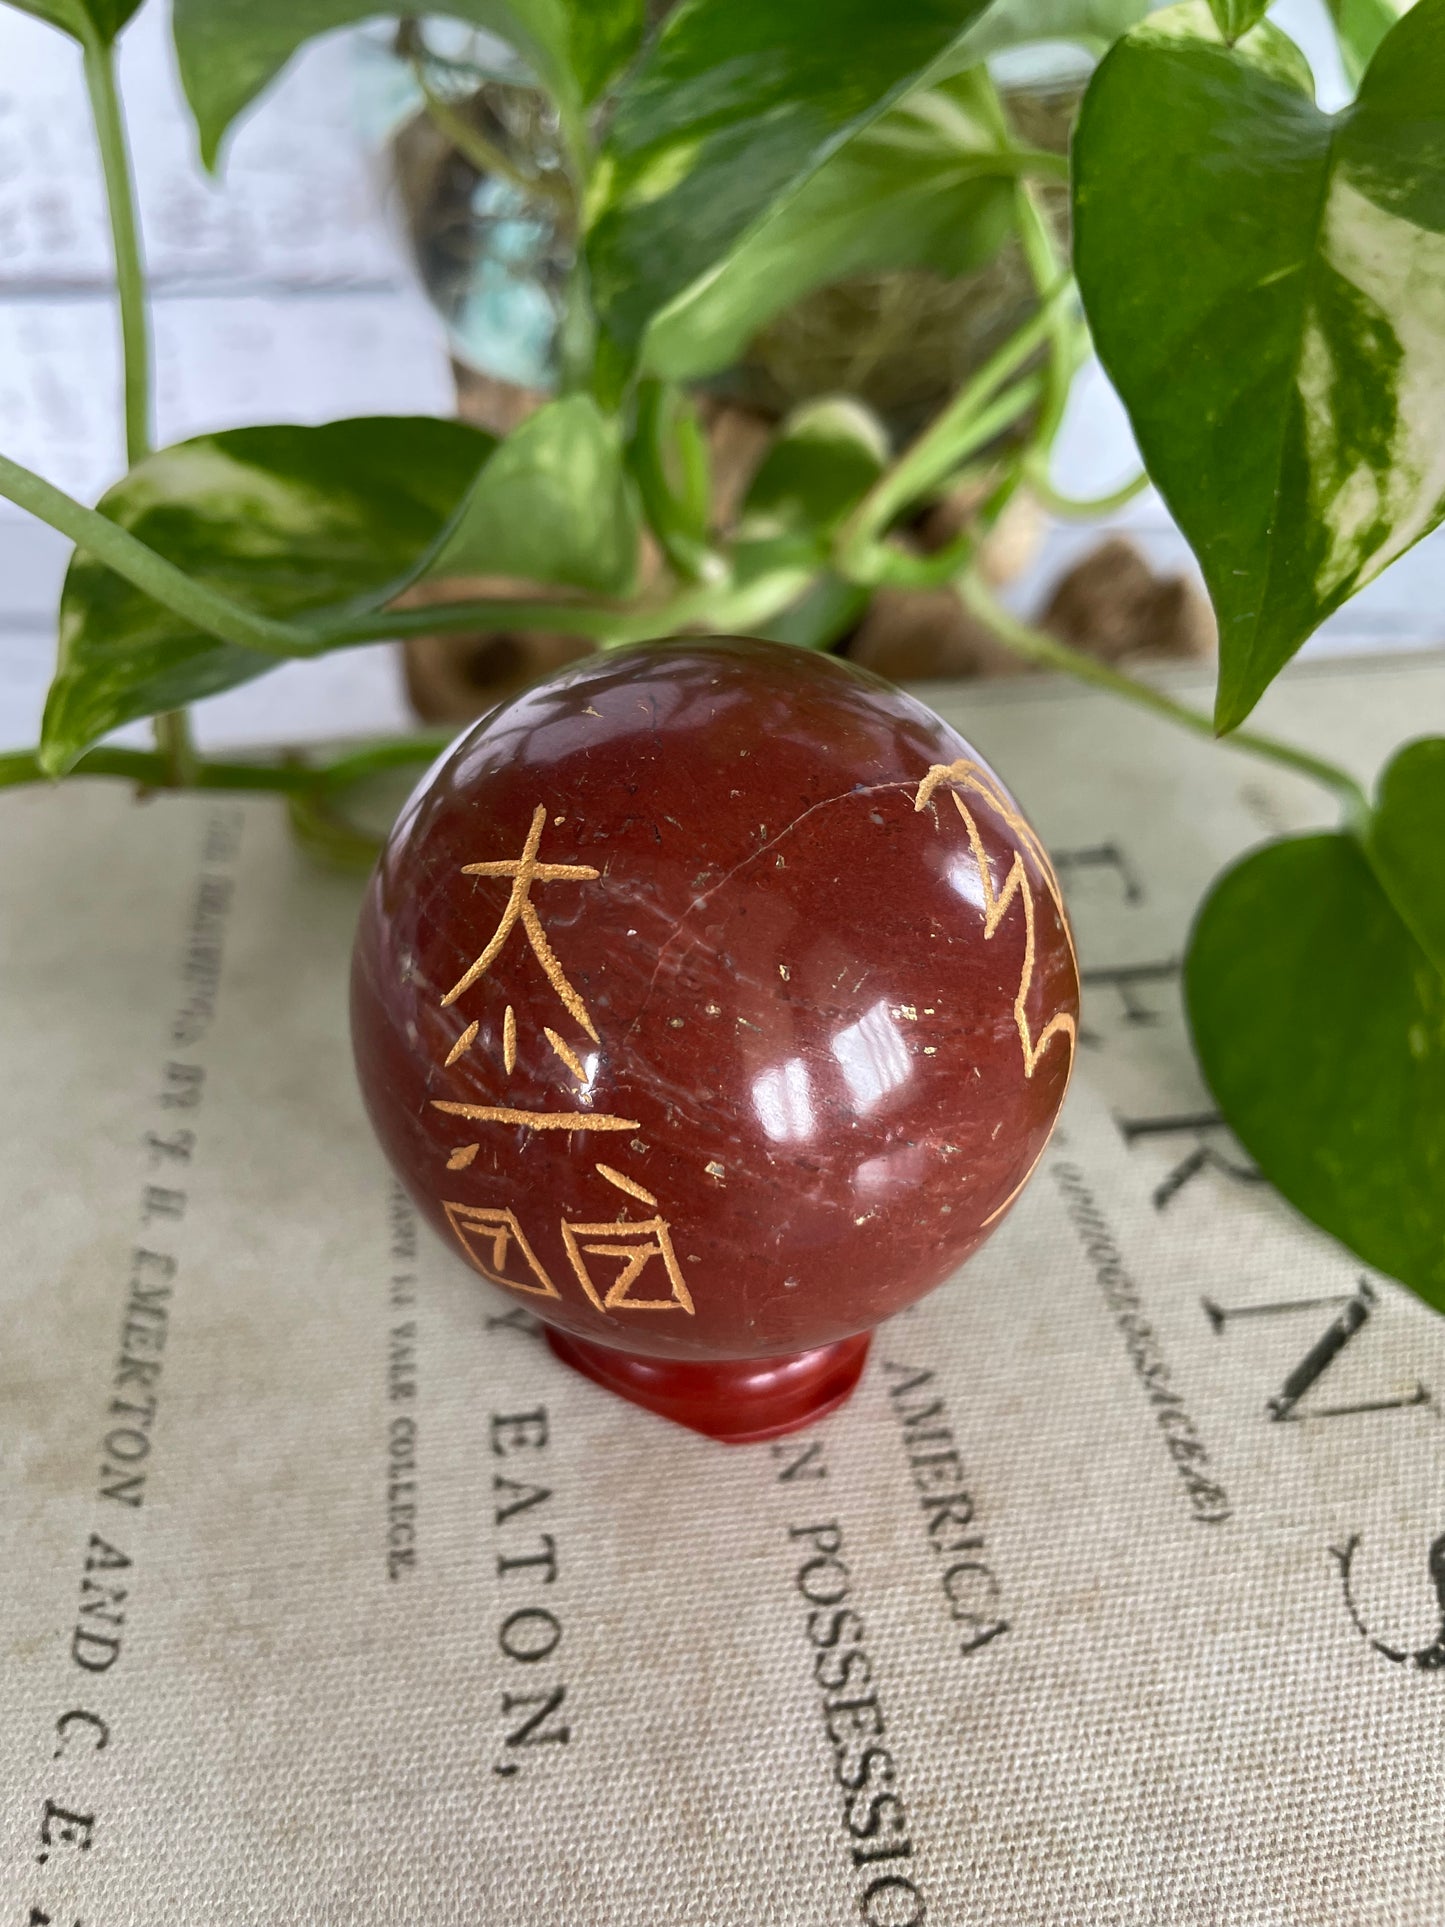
(737, 103)
(928, 185)
(230, 50)
(552, 504)
(1283, 367)
(285, 519)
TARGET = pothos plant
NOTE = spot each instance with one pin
(1263, 282)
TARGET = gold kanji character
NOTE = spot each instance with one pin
(481, 1230)
(635, 1245)
(996, 899)
(524, 871)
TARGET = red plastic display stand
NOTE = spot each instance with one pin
(738, 1400)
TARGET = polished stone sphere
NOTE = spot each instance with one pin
(715, 1000)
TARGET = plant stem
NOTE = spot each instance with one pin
(873, 561)
(989, 422)
(1046, 267)
(902, 570)
(1090, 508)
(172, 730)
(676, 508)
(951, 436)
(601, 624)
(737, 608)
(710, 604)
(212, 612)
(19, 766)
(1037, 162)
(150, 769)
(576, 334)
(125, 236)
(396, 753)
(1049, 653)
(324, 833)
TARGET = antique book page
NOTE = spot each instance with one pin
(327, 1596)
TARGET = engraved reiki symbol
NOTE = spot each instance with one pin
(636, 1245)
(496, 1244)
(524, 873)
(616, 1261)
(493, 1233)
(996, 902)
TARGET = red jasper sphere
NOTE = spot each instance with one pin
(715, 999)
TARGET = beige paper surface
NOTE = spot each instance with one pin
(326, 1596)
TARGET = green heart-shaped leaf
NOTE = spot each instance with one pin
(827, 455)
(1360, 26)
(552, 504)
(1285, 369)
(824, 612)
(230, 50)
(734, 106)
(1407, 841)
(283, 519)
(1320, 1026)
(924, 187)
(87, 21)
